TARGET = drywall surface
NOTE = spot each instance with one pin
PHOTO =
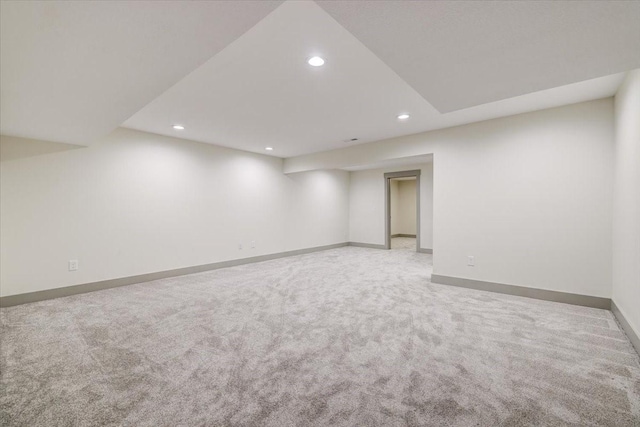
(403, 206)
(12, 147)
(138, 203)
(318, 209)
(407, 203)
(626, 201)
(529, 196)
(394, 196)
(367, 210)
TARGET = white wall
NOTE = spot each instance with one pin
(136, 203)
(626, 201)
(394, 196)
(407, 210)
(366, 212)
(318, 209)
(529, 196)
(403, 206)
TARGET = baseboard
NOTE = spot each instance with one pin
(376, 246)
(366, 245)
(522, 291)
(626, 327)
(66, 291)
(403, 235)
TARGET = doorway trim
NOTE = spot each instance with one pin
(387, 204)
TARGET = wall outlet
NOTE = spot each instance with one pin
(471, 260)
(239, 246)
(253, 244)
(73, 265)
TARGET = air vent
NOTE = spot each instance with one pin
(351, 140)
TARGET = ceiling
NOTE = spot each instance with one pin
(459, 54)
(73, 71)
(235, 73)
(260, 91)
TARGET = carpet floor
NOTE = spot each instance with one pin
(343, 337)
(403, 243)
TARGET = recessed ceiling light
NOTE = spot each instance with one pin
(178, 127)
(268, 148)
(403, 116)
(315, 61)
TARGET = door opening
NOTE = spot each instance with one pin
(402, 210)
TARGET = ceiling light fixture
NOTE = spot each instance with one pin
(268, 148)
(403, 116)
(315, 61)
(178, 127)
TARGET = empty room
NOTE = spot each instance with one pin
(319, 213)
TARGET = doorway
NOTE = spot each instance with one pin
(402, 210)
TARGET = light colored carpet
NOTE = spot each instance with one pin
(344, 337)
(403, 243)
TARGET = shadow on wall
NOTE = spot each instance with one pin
(13, 147)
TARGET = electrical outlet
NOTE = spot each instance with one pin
(239, 246)
(253, 244)
(471, 260)
(73, 265)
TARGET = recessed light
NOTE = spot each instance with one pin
(268, 148)
(178, 127)
(315, 61)
(403, 116)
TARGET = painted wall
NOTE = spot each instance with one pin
(403, 206)
(407, 211)
(137, 203)
(318, 209)
(394, 196)
(626, 201)
(528, 195)
(366, 205)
